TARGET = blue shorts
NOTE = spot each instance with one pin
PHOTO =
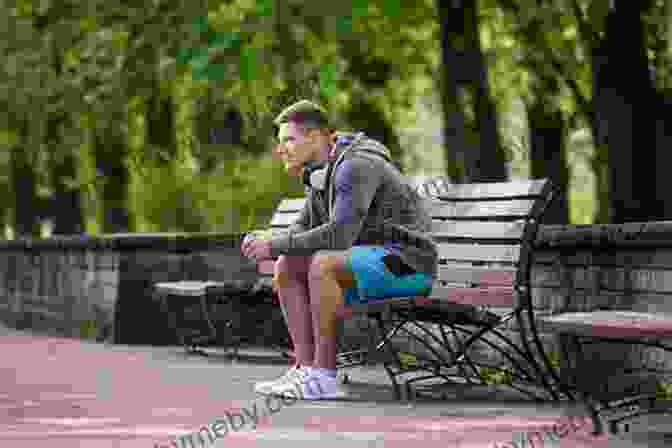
(375, 281)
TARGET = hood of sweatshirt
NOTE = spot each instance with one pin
(358, 142)
(349, 144)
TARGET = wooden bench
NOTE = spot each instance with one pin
(484, 233)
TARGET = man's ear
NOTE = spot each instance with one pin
(312, 133)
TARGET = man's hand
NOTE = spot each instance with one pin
(256, 247)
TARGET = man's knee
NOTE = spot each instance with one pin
(323, 265)
(289, 269)
(331, 265)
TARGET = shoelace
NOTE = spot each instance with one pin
(297, 373)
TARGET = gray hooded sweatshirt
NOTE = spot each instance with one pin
(366, 201)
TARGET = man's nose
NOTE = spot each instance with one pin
(279, 149)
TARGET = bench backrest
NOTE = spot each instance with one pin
(484, 233)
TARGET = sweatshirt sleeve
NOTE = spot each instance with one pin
(356, 181)
(301, 223)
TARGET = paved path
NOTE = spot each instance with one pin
(57, 392)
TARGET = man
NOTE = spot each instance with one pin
(362, 236)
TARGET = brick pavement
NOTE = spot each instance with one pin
(60, 392)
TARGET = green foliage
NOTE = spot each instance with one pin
(554, 359)
(87, 329)
(167, 202)
(243, 194)
(328, 80)
(492, 375)
(408, 360)
(664, 391)
(239, 195)
(95, 65)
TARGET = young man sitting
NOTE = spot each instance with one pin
(363, 235)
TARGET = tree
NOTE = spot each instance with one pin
(625, 108)
(56, 27)
(548, 139)
(21, 78)
(472, 147)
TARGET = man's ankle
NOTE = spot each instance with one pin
(324, 371)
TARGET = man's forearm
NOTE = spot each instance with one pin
(330, 236)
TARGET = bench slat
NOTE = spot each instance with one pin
(495, 296)
(495, 190)
(478, 229)
(291, 205)
(444, 229)
(476, 275)
(508, 209)
(479, 252)
(442, 211)
(284, 219)
(435, 186)
(610, 324)
(192, 288)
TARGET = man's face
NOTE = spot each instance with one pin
(296, 146)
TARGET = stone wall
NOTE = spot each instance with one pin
(623, 267)
(62, 292)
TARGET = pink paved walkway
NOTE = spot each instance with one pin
(62, 393)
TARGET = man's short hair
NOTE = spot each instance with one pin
(304, 113)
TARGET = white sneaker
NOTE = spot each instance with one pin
(309, 386)
(289, 376)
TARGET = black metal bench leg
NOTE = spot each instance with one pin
(570, 343)
(173, 323)
(538, 371)
(386, 343)
(546, 361)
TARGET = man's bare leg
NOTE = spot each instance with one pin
(327, 279)
(291, 282)
(312, 324)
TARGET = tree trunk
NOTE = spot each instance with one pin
(65, 207)
(548, 136)
(663, 154)
(218, 126)
(160, 119)
(626, 116)
(473, 152)
(26, 202)
(66, 202)
(110, 153)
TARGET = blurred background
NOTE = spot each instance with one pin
(156, 115)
